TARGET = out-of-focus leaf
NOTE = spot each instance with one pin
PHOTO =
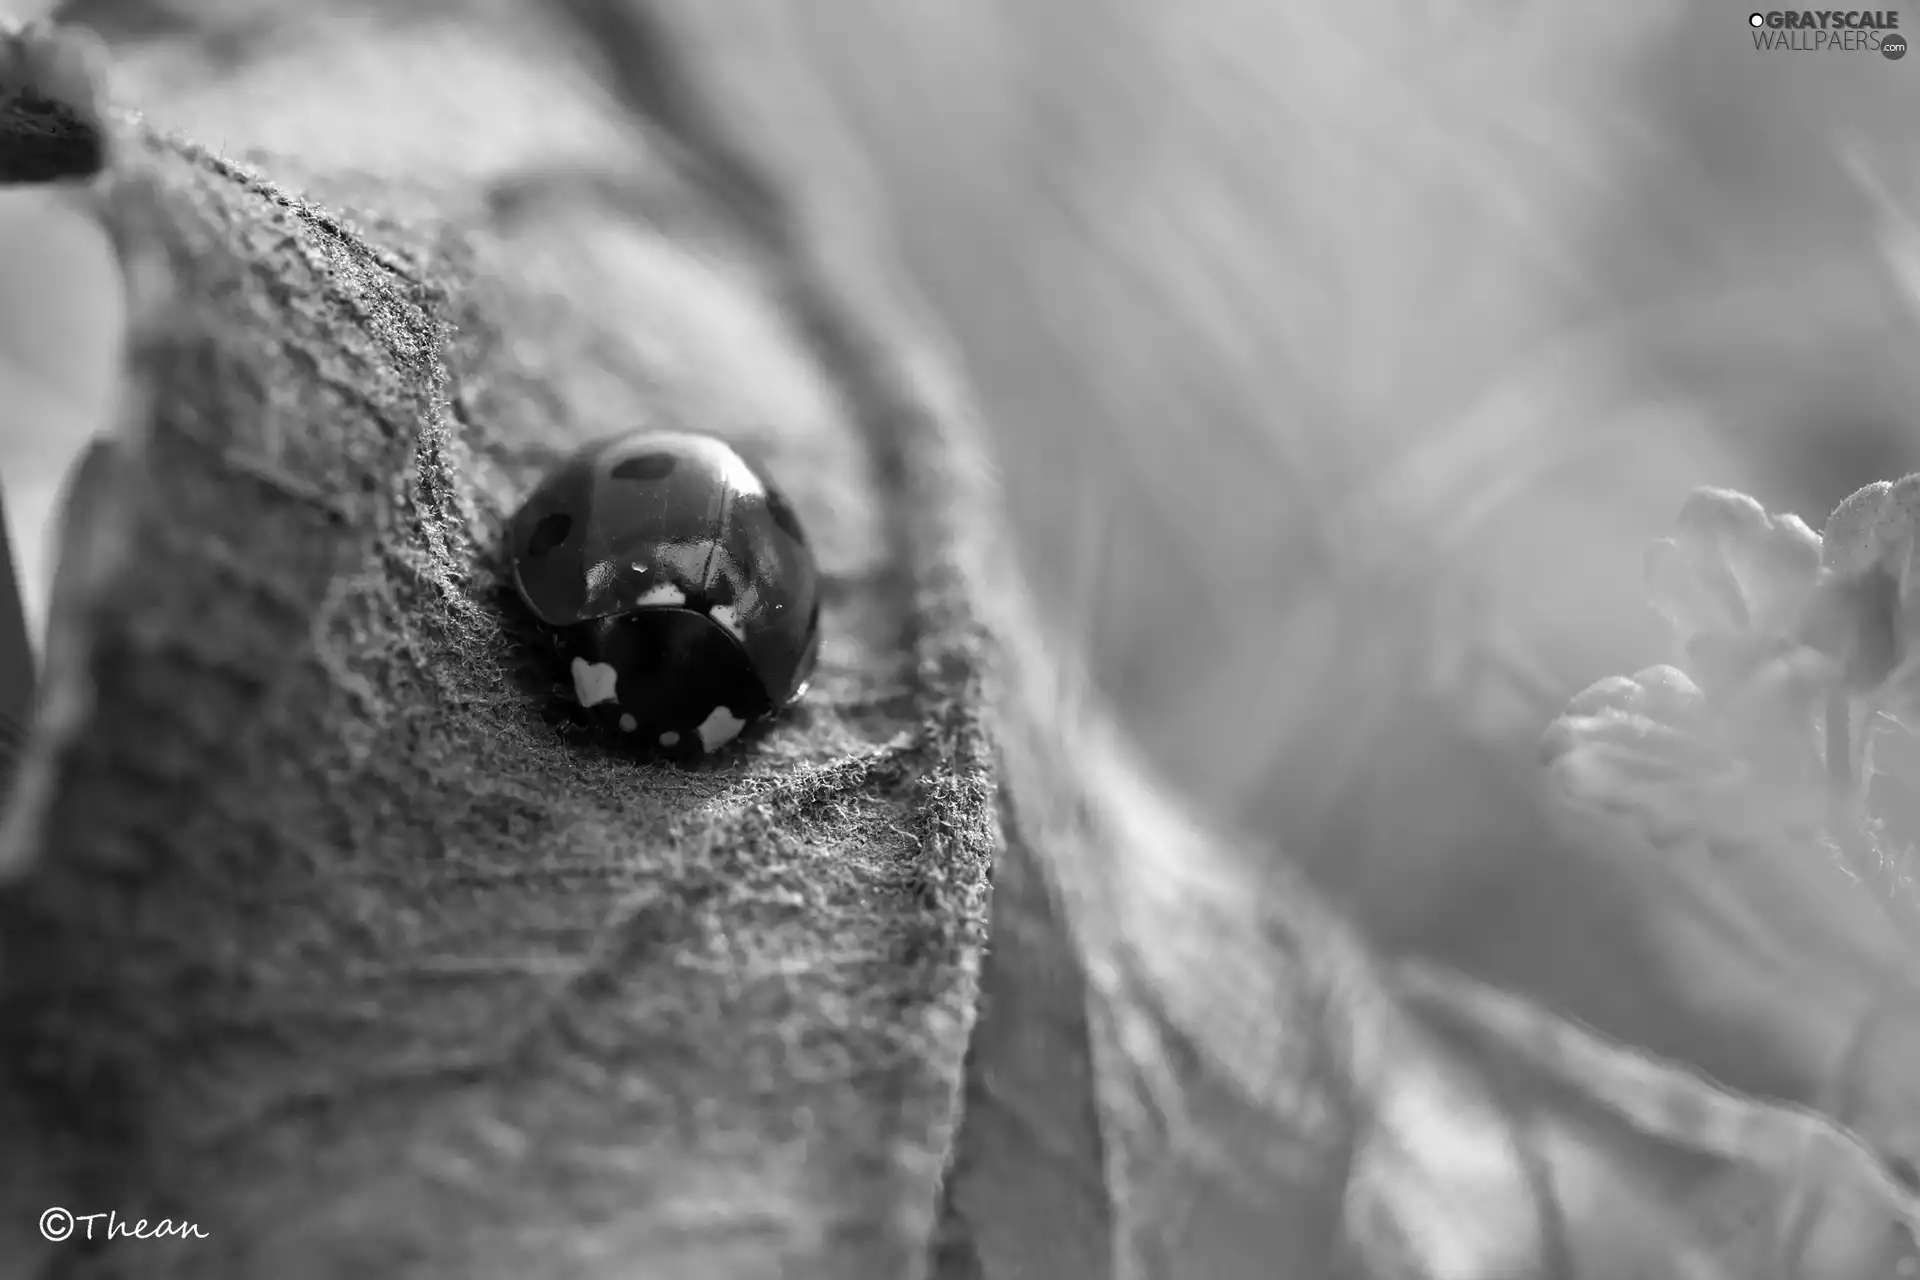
(1813, 1200)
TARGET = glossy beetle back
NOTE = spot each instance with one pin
(672, 521)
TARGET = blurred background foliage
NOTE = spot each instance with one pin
(1384, 337)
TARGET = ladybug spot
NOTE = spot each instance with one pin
(648, 466)
(727, 618)
(549, 533)
(782, 512)
(594, 682)
(661, 593)
(719, 728)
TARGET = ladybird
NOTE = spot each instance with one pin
(676, 586)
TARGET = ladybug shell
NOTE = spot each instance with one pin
(669, 563)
